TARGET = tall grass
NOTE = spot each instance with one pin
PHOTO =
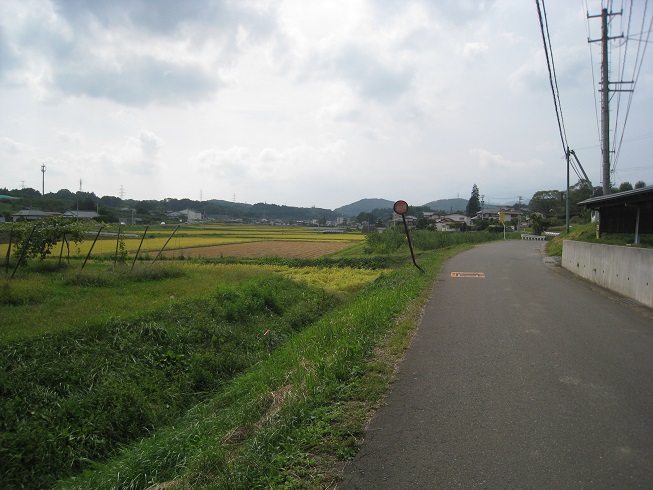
(394, 239)
(39, 301)
(288, 419)
(72, 399)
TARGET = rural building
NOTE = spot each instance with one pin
(84, 215)
(31, 215)
(186, 215)
(624, 212)
(457, 218)
(493, 213)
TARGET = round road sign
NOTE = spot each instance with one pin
(401, 207)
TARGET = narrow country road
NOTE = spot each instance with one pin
(527, 378)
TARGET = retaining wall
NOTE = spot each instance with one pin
(625, 270)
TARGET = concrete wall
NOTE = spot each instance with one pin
(625, 270)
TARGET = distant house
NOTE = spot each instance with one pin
(31, 215)
(397, 220)
(487, 213)
(186, 215)
(85, 215)
(494, 213)
(458, 218)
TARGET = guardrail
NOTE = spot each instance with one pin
(532, 237)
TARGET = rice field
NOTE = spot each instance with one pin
(206, 240)
(266, 248)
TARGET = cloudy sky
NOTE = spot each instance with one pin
(310, 102)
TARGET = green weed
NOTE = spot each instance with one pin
(288, 420)
(72, 398)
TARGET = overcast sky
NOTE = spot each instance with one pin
(308, 102)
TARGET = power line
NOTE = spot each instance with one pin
(637, 67)
(548, 52)
(596, 106)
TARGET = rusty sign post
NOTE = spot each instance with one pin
(401, 208)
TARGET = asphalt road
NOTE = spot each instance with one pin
(527, 378)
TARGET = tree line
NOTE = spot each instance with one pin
(111, 208)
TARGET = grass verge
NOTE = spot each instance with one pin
(291, 420)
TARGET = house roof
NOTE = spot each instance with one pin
(81, 214)
(634, 196)
(624, 212)
(33, 213)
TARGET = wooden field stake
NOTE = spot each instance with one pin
(139, 247)
(115, 259)
(22, 252)
(93, 245)
(166, 243)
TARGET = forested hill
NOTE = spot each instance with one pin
(364, 206)
(448, 205)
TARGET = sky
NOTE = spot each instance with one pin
(314, 102)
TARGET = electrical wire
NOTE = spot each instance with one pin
(637, 67)
(596, 103)
(546, 41)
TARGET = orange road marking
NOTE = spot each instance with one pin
(479, 275)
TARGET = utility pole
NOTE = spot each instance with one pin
(519, 214)
(605, 105)
(605, 98)
(482, 204)
(43, 184)
(567, 202)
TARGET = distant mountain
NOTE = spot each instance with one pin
(448, 205)
(364, 206)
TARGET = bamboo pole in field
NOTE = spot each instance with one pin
(63, 240)
(166, 243)
(11, 236)
(22, 252)
(139, 247)
(93, 245)
(115, 259)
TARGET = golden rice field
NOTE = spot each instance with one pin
(265, 248)
(216, 241)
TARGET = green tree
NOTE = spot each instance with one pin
(639, 184)
(45, 234)
(540, 225)
(548, 203)
(474, 203)
(625, 186)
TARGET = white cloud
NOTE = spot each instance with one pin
(474, 49)
(10, 147)
(321, 102)
(150, 145)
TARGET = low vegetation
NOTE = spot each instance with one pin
(392, 240)
(587, 233)
(222, 373)
(72, 398)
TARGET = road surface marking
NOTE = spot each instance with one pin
(480, 275)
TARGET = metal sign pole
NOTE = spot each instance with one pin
(401, 208)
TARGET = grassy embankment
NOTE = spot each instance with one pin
(292, 419)
(587, 233)
(262, 381)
